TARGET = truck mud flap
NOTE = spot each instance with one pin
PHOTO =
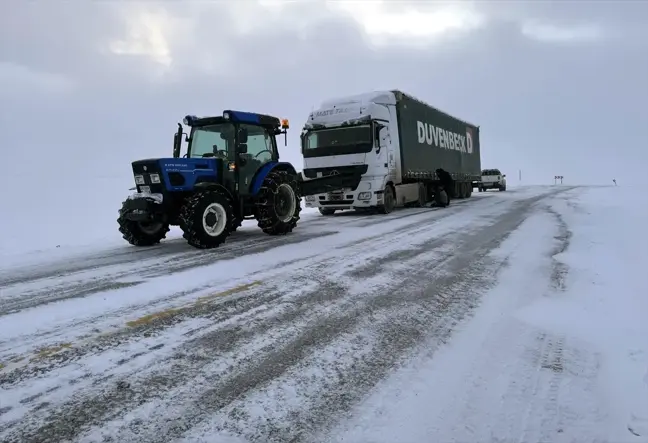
(329, 183)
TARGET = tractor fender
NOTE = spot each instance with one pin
(203, 185)
(266, 169)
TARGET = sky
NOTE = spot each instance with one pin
(86, 87)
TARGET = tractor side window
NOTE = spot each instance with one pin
(259, 143)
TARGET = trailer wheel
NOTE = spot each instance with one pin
(206, 219)
(469, 190)
(326, 211)
(422, 196)
(502, 188)
(278, 204)
(141, 233)
(388, 201)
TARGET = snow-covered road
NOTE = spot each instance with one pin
(412, 324)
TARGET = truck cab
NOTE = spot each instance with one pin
(492, 179)
(357, 134)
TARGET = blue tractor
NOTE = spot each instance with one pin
(230, 172)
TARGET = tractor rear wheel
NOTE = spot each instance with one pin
(278, 203)
(139, 233)
(206, 219)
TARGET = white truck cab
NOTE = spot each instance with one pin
(492, 179)
(356, 134)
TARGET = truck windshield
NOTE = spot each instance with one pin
(338, 141)
(213, 141)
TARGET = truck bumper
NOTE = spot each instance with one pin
(366, 195)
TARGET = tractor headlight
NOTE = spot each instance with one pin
(226, 115)
(364, 196)
(310, 198)
(145, 189)
(155, 178)
(139, 179)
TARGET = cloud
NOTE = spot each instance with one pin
(130, 70)
(552, 33)
(18, 80)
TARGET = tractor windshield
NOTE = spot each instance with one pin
(213, 141)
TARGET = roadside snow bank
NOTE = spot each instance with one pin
(605, 300)
(558, 350)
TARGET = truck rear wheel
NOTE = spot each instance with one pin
(441, 198)
(388, 201)
(278, 203)
(206, 219)
(326, 211)
(139, 233)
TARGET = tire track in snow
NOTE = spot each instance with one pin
(49, 337)
(313, 307)
(16, 297)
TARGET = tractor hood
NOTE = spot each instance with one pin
(174, 174)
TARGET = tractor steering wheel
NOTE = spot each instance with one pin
(261, 152)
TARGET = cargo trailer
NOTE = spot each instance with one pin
(397, 144)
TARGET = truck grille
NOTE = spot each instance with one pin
(342, 170)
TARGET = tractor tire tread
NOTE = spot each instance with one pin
(188, 219)
(266, 217)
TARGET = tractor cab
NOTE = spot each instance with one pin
(241, 142)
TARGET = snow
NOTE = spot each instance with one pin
(557, 352)
(67, 233)
(556, 348)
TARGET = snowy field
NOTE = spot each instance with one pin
(517, 316)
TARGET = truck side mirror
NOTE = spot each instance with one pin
(242, 148)
(377, 128)
(504, 175)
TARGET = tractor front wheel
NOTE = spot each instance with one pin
(278, 203)
(206, 219)
(140, 233)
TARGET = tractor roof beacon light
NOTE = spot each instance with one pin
(284, 130)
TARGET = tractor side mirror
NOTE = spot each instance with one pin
(242, 148)
(242, 136)
(177, 142)
(504, 176)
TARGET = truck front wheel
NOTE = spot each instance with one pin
(206, 219)
(389, 201)
(326, 211)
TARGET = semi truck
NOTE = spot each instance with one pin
(397, 144)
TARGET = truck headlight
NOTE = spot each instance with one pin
(139, 179)
(155, 178)
(364, 196)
